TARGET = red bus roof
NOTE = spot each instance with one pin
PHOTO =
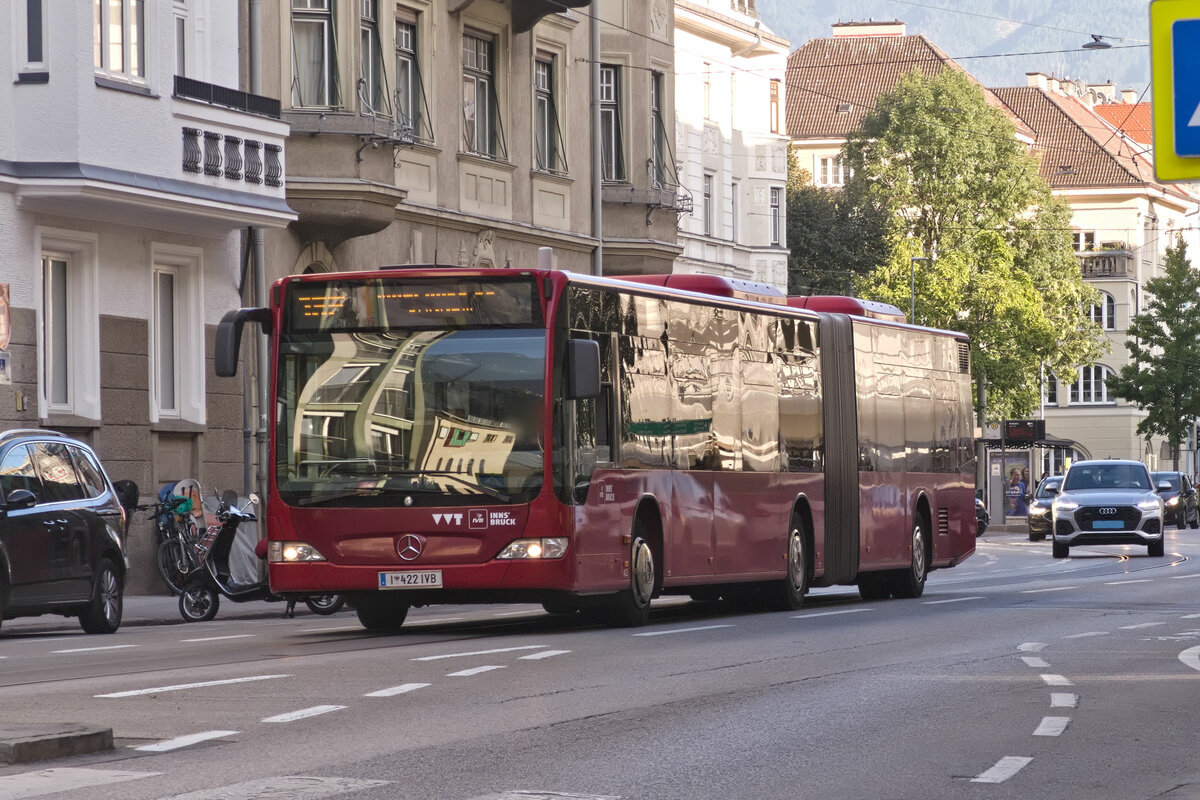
(713, 284)
(840, 304)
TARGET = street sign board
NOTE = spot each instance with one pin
(1175, 75)
(1024, 430)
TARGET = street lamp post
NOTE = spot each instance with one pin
(912, 287)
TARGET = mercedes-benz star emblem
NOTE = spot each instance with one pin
(409, 547)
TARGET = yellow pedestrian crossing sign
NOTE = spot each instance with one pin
(1175, 76)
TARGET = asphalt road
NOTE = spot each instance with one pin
(1015, 676)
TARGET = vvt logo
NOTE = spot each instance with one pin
(447, 519)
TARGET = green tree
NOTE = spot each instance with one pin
(993, 249)
(832, 242)
(1164, 345)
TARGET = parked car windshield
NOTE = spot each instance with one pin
(1107, 476)
(1170, 477)
(1046, 485)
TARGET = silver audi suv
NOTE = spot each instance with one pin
(1107, 502)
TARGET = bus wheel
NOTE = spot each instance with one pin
(631, 607)
(788, 594)
(911, 582)
(381, 617)
(874, 586)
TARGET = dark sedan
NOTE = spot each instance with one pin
(1181, 505)
(1039, 508)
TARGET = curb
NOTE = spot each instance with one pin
(24, 743)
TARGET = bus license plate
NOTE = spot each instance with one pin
(411, 579)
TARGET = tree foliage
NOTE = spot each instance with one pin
(1164, 347)
(831, 241)
(995, 255)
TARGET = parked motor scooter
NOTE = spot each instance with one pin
(204, 587)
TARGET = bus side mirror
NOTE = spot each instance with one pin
(229, 337)
(583, 369)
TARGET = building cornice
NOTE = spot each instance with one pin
(712, 24)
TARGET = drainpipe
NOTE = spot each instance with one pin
(258, 252)
(757, 41)
(597, 158)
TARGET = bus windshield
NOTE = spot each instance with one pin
(397, 417)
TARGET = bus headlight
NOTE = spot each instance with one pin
(552, 547)
(292, 552)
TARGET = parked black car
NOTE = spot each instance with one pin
(1039, 508)
(1181, 506)
(61, 527)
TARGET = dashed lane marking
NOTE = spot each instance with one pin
(1035, 661)
(93, 649)
(543, 654)
(518, 613)
(1185, 577)
(304, 713)
(219, 638)
(403, 688)
(1125, 583)
(434, 620)
(62, 779)
(331, 630)
(293, 787)
(482, 652)
(1056, 680)
(1051, 589)
(683, 630)
(525, 794)
(1063, 700)
(1190, 616)
(182, 686)
(1031, 647)
(951, 600)
(1003, 769)
(466, 673)
(832, 613)
(1191, 657)
(1052, 726)
(184, 741)
(1141, 625)
(1086, 635)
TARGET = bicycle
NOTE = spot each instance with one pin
(178, 536)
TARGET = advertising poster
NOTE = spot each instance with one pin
(1013, 471)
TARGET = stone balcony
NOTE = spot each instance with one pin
(1108, 264)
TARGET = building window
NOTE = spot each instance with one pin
(547, 136)
(314, 55)
(176, 334)
(1104, 313)
(706, 92)
(482, 133)
(166, 379)
(68, 325)
(831, 171)
(372, 84)
(658, 136)
(1092, 386)
(33, 44)
(1084, 241)
(181, 48)
(776, 215)
(776, 127)
(412, 111)
(612, 156)
(734, 187)
(706, 208)
(1050, 391)
(119, 40)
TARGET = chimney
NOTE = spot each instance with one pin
(1106, 90)
(1129, 96)
(1035, 79)
(854, 30)
(1052, 84)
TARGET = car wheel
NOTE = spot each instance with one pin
(911, 582)
(1059, 549)
(379, 617)
(1196, 519)
(631, 607)
(788, 594)
(103, 612)
(1155, 549)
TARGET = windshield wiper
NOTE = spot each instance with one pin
(364, 491)
(421, 473)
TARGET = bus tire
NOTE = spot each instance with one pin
(788, 594)
(910, 582)
(379, 617)
(631, 607)
(874, 586)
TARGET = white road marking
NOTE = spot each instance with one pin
(403, 688)
(330, 630)
(1052, 726)
(303, 713)
(466, 673)
(544, 654)
(434, 620)
(293, 787)
(1141, 625)
(1031, 647)
(91, 649)
(831, 613)
(1035, 661)
(952, 600)
(1123, 583)
(519, 794)
(1051, 589)
(181, 686)
(1056, 680)
(1086, 635)
(218, 638)
(62, 779)
(1190, 616)
(683, 630)
(1185, 577)
(1003, 769)
(482, 652)
(1191, 657)
(518, 613)
(184, 741)
(1063, 700)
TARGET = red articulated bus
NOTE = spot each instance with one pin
(446, 435)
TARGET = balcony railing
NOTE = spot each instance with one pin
(1107, 264)
(229, 98)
